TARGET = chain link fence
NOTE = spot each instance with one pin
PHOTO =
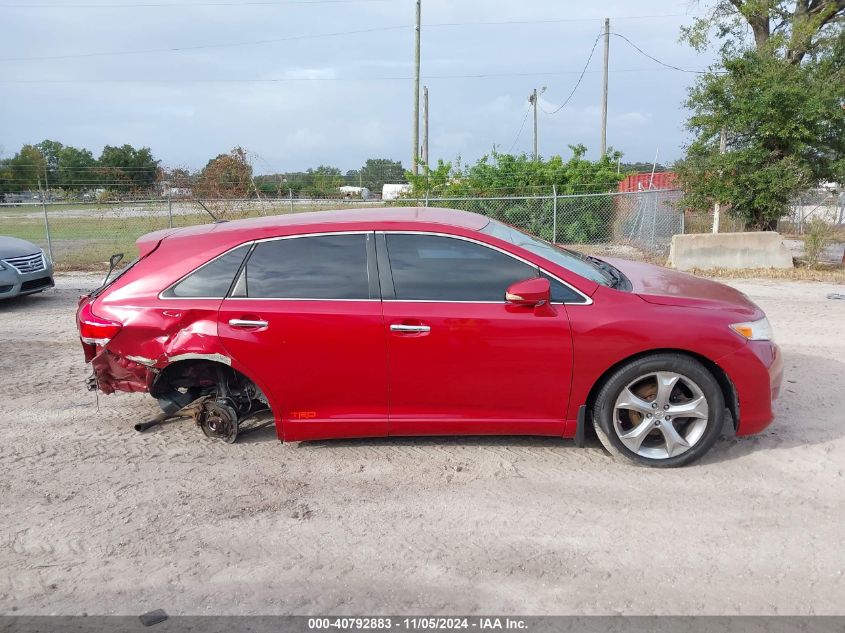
(82, 235)
(818, 207)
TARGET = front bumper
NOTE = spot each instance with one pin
(756, 371)
(14, 284)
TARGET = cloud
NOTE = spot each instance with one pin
(310, 73)
(342, 99)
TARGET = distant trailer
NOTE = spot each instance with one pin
(348, 191)
(644, 181)
(394, 191)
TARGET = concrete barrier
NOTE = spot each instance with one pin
(729, 250)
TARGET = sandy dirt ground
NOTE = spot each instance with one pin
(96, 518)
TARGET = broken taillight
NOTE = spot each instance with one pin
(96, 330)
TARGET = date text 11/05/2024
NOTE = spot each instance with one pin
(418, 623)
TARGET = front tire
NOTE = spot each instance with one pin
(663, 410)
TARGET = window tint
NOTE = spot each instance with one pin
(434, 268)
(319, 267)
(562, 293)
(213, 279)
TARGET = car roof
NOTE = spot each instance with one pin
(373, 218)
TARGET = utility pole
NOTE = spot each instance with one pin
(604, 88)
(532, 99)
(424, 151)
(717, 207)
(416, 129)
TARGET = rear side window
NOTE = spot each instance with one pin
(436, 268)
(317, 267)
(211, 281)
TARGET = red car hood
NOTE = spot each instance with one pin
(664, 286)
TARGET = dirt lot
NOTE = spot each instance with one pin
(96, 518)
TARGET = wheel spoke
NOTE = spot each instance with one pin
(636, 417)
(675, 443)
(695, 408)
(627, 400)
(633, 439)
(666, 382)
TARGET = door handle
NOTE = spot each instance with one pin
(247, 323)
(409, 329)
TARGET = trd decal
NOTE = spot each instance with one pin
(303, 415)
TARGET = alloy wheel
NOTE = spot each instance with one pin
(660, 415)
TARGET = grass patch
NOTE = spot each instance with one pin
(80, 242)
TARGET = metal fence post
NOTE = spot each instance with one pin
(653, 219)
(290, 195)
(801, 215)
(554, 214)
(170, 208)
(426, 197)
(46, 222)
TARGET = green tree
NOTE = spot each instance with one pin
(779, 99)
(6, 177)
(76, 168)
(640, 167)
(127, 167)
(517, 175)
(377, 171)
(787, 29)
(51, 151)
(497, 184)
(322, 182)
(26, 169)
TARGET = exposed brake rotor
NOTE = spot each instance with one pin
(647, 392)
(218, 419)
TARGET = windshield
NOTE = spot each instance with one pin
(577, 263)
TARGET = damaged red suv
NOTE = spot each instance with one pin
(414, 321)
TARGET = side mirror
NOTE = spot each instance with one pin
(529, 293)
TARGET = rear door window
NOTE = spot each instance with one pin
(213, 280)
(439, 268)
(311, 267)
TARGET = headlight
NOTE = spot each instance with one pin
(754, 330)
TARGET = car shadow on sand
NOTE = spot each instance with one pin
(808, 412)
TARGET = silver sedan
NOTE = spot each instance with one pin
(24, 268)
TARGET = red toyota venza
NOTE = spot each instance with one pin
(421, 321)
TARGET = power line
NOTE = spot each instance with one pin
(519, 133)
(662, 63)
(166, 5)
(317, 36)
(580, 78)
(555, 20)
(271, 3)
(207, 46)
(491, 75)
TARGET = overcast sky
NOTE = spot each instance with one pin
(342, 98)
